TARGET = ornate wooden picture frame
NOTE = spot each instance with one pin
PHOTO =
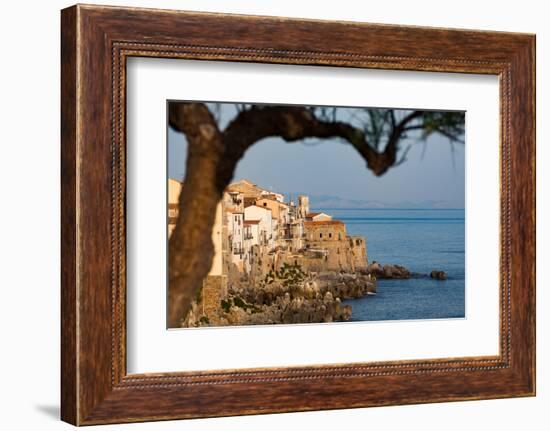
(96, 42)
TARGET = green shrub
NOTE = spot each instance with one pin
(226, 305)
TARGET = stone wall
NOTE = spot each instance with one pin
(214, 289)
(328, 240)
(321, 232)
(308, 261)
(358, 245)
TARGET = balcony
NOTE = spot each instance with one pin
(238, 250)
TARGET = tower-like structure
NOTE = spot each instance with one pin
(303, 206)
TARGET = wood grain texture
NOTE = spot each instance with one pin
(68, 218)
(96, 41)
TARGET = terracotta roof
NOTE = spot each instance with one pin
(323, 222)
(311, 215)
(262, 207)
(272, 199)
(246, 187)
(232, 211)
(252, 221)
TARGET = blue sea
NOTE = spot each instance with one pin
(421, 240)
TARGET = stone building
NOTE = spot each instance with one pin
(293, 235)
(280, 213)
(256, 231)
(251, 239)
(235, 236)
(233, 200)
(358, 248)
(264, 215)
(327, 240)
(303, 206)
(322, 233)
(174, 190)
(251, 192)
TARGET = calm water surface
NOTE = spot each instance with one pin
(421, 240)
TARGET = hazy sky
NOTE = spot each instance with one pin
(432, 176)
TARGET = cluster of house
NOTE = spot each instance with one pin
(257, 227)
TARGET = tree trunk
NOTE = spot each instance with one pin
(190, 248)
(211, 161)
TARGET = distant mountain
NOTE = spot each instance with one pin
(336, 202)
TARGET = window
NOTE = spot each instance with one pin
(330, 235)
(265, 204)
(321, 235)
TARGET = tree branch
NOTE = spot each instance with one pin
(213, 156)
(297, 123)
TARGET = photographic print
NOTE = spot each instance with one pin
(289, 214)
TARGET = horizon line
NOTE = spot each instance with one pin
(347, 208)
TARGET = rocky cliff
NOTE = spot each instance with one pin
(288, 295)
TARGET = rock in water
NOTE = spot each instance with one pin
(388, 271)
(438, 275)
(374, 268)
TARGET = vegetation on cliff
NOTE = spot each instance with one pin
(290, 295)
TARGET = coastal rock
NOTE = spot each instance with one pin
(283, 310)
(375, 268)
(388, 271)
(310, 298)
(346, 285)
(438, 275)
